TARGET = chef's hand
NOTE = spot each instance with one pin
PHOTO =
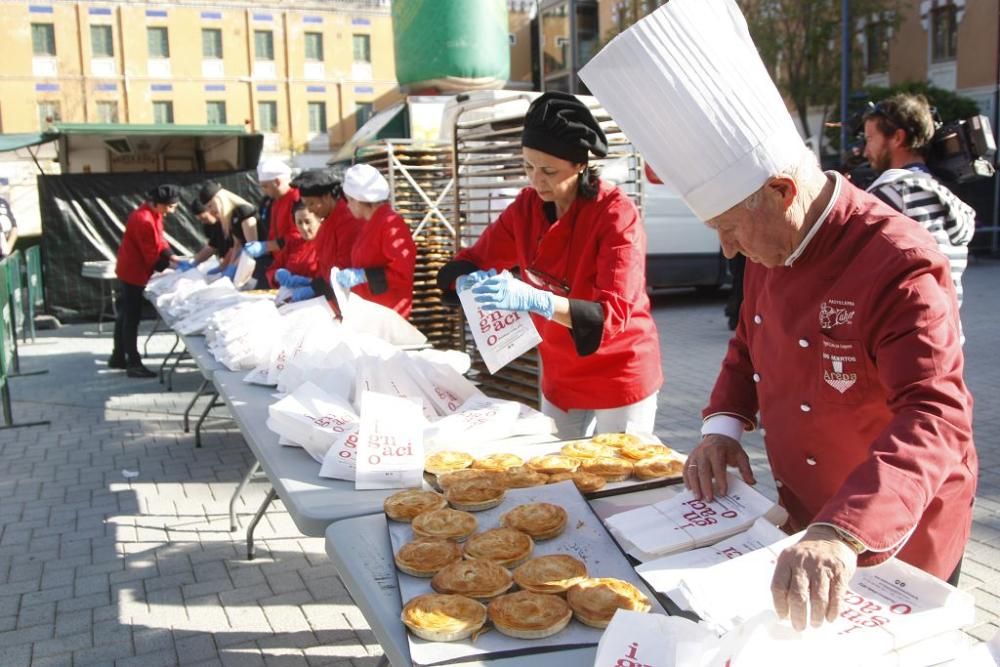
(303, 293)
(255, 248)
(467, 281)
(811, 578)
(349, 278)
(709, 461)
(286, 278)
(505, 292)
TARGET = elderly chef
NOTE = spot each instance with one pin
(848, 345)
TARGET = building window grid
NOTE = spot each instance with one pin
(163, 113)
(362, 112)
(211, 43)
(101, 41)
(317, 118)
(267, 116)
(158, 42)
(263, 44)
(944, 33)
(48, 112)
(876, 47)
(314, 46)
(215, 112)
(43, 39)
(362, 48)
(107, 112)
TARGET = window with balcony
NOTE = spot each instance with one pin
(876, 47)
(263, 44)
(267, 116)
(944, 33)
(101, 41)
(163, 113)
(314, 46)
(158, 42)
(43, 39)
(362, 48)
(215, 113)
(211, 43)
(107, 112)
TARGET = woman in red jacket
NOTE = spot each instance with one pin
(383, 256)
(580, 248)
(143, 250)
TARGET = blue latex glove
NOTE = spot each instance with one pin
(229, 271)
(303, 293)
(185, 265)
(255, 248)
(505, 292)
(463, 283)
(286, 278)
(214, 272)
(348, 278)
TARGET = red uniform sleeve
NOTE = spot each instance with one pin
(401, 254)
(735, 392)
(621, 265)
(496, 248)
(147, 240)
(915, 341)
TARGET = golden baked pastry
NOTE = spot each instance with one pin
(656, 467)
(499, 462)
(424, 557)
(610, 468)
(616, 440)
(520, 477)
(447, 479)
(550, 464)
(528, 615)
(594, 601)
(639, 452)
(480, 579)
(474, 495)
(443, 618)
(405, 505)
(445, 524)
(542, 521)
(550, 574)
(586, 482)
(585, 449)
(503, 546)
(439, 463)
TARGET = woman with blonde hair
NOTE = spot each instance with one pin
(238, 220)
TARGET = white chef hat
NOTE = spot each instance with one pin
(364, 183)
(688, 88)
(273, 169)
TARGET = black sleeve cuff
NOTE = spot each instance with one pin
(377, 282)
(587, 318)
(163, 261)
(280, 241)
(322, 287)
(447, 276)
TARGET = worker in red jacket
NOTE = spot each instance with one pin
(847, 354)
(143, 250)
(384, 255)
(580, 247)
(322, 194)
(275, 215)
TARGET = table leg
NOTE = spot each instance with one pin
(166, 359)
(170, 374)
(212, 403)
(156, 327)
(271, 495)
(233, 526)
(100, 315)
(187, 411)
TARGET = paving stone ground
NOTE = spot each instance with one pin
(99, 568)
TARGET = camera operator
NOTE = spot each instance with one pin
(898, 132)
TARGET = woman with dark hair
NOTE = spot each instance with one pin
(580, 249)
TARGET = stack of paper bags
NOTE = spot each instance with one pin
(682, 522)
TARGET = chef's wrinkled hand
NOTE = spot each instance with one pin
(255, 248)
(465, 282)
(303, 293)
(705, 468)
(505, 292)
(286, 278)
(811, 578)
(349, 278)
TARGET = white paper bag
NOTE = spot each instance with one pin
(500, 335)
(342, 295)
(480, 419)
(311, 419)
(441, 385)
(391, 446)
(341, 460)
(634, 639)
(244, 269)
(372, 318)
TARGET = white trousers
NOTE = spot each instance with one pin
(638, 417)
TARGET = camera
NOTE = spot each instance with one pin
(963, 150)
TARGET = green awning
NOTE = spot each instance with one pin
(12, 142)
(149, 129)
